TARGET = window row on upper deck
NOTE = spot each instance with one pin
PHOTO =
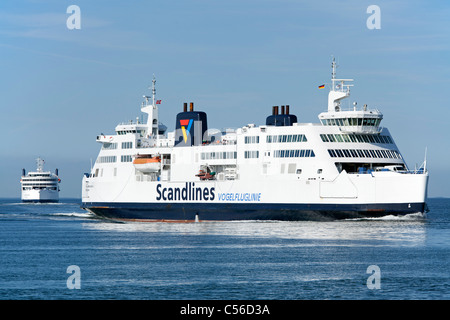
(251, 154)
(126, 158)
(127, 145)
(218, 155)
(39, 188)
(352, 122)
(251, 139)
(286, 138)
(368, 138)
(113, 145)
(106, 159)
(109, 145)
(293, 153)
(357, 153)
(122, 132)
(39, 181)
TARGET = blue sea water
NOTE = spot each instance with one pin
(245, 260)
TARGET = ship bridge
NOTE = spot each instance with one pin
(349, 121)
(145, 133)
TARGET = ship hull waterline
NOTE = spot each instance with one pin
(188, 212)
(41, 201)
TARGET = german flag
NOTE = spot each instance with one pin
(322, 86)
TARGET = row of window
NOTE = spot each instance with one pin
(127, 145)
(293, 153)
(277, 138)
(286, 138)
(342, 153)
(368, 138)
(37, 179)
(106, 159)
(251, 139)
(38, 188)
(122, 132)
(352, 122)
(126, 158)
(111, 159)
(218, 155)
(251, 154)
(109, 146)
(113, 145)
(357, 153)
(39, 183)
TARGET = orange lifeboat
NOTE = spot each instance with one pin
(147, 163)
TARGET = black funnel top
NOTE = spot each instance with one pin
(281, 120)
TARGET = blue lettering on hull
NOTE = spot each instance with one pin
(239, 196)
(188, 193)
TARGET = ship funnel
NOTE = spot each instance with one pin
(281, 120)
(56, 171)
(23, 172)
(190, 127)
(274, 110)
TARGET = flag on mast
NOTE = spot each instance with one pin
(322, 86)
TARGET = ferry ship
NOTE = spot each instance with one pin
(345, 166)
(40, 186)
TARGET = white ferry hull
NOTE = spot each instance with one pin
(40, 196)
(371, 195)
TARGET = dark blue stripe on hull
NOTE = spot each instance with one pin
(228, 211)
(40, 201)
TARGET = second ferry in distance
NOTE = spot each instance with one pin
(346, 166)
(40, 186)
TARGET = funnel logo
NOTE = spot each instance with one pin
(184, 123)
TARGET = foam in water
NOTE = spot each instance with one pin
(417, 216)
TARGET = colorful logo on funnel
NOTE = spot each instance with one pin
(184, 123)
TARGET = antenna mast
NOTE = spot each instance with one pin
(153, 90)
(333, 73)
(40, 164)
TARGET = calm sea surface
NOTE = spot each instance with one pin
(407, 258)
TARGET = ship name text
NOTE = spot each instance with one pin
(188, 193)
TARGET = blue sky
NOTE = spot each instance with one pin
(59, 88)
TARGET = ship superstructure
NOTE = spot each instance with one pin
(40, 185)
(345, 166)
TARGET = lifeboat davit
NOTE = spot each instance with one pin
(147, 163)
